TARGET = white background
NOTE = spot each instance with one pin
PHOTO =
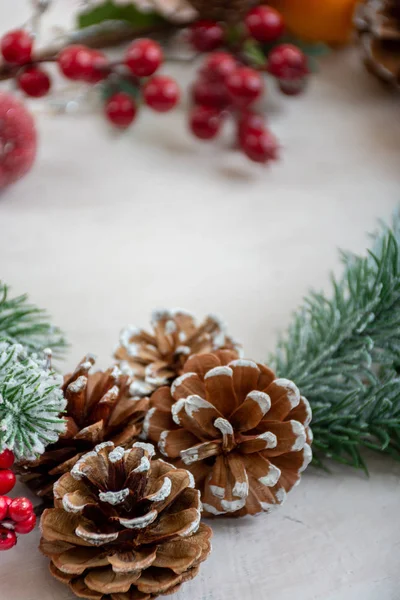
(107, 226)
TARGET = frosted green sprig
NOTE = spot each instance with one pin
(26, 324)
(343, 351)
(31, 401)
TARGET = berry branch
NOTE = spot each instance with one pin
(230, 83)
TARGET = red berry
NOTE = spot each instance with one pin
(210, 93)
(7, 481)
(4, 502)
(161, 93)
(121, 110)
(34, 82)
(6, 459)
(8, 539)
(16, 47)
(20, 509)
(98, 69)
(205, 122)
(143, 57)
(27, 525)
(206, 36)
(218, 66)
(265, 24)
(292, 87)
(80, 63)
(18, 145)
(287, 62)
(259, 146)
(245, 85)
(250, 122)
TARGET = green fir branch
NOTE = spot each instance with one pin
(343, 351)
(26, 324)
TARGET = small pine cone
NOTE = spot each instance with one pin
(124, 526)
(378, 26)
(99, 408)
(157, 358)
(242, 433)
(231, 11)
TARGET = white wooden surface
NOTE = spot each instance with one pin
(107, 227)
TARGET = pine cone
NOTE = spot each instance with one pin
(378, 24)
(242, 433)
(231, 11)
(155, 359)
(124, 527)
(98, 408)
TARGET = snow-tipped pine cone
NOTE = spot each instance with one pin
(99, 408)
(157, 358)
(124, 526)
(242, 433)
(378, 26)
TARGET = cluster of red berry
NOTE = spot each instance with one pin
(226, 87)
(228, 83)
(16, 514)
(79, 63)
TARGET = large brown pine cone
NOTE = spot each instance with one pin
(223, 10)
(124, 527)
(157, 358)
(378, 25)
(242, 433)
(99, 408)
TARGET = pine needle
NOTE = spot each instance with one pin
(343, 351)
(26, 324)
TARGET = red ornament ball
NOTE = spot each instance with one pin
(121, 110)
(287, 62)
(26, 526)
(218, 66)
(16, 47)
(264, 24)
(210, 93)
(4, 503)
(80, 63)
(206, 36)
(144, 57)
(205, 122)
(6, 459)
(20, 509)
(8, 539)
(245, 86)
(161, 93)
(17, 143)
(7, 481)
(259, 146)
(34, 82)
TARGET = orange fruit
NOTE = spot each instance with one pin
(329, 21)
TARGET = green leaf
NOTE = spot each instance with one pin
(254, 54)
(113, 12)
